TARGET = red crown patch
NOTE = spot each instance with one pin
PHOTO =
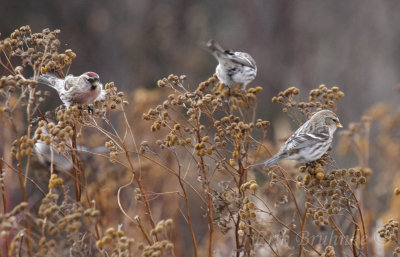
(92, 74)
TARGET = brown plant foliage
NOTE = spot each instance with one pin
(178, 177)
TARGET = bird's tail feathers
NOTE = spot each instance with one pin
(216, 50)
(214, 46)
(271, 161)
(268, 163)
(48, 79)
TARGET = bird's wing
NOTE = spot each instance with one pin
(50, 79)
(301, 140)
(237, 57)
(70, 81)
(244, 59)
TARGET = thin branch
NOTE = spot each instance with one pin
(189, 219)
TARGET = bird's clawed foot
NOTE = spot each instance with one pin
(311, 166)
(90, 110)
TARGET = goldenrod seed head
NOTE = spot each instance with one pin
(253, 186)
(320, 175)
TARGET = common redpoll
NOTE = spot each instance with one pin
(83, 89)
(61, 161)
(310, 141)
(233, 67)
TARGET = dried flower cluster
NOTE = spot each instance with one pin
(319, 99)
(390, 233)
(182, 182)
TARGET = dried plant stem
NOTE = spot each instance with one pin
(303, 225)
(147, 237)
(136, 175)
(3, 195)
(211, 224)
(5, 66)
(75, 166)
(339, 231)
(265, 240)
(24, 196)
(287, 181)
(353, 242)
(242, 171)
(242, 178)
(300, 236)
(91, 205)
(28, 133)
(132, 137)
(237, 241)
(140, 184)
(31, 180)
(21, 238)
(170, 171)
(209, 197)
(189, 219)
(361, 219)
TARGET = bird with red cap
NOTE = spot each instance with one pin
(83, 89)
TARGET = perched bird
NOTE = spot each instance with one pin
(233, 67)
(83, 89)
(310, 141)
(62, 161)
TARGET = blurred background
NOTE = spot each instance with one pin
(351, 44)
(355, 45)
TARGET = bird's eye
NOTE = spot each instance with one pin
(335, 120)
(91, 80)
